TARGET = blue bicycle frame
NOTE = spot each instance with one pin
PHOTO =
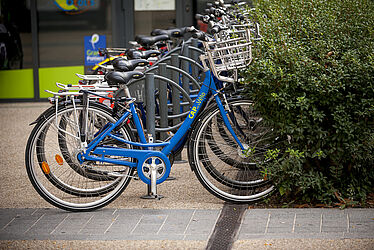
(94, 152)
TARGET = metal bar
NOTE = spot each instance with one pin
(175, 95)
(193, 80)
(185, 80)
(174, 84)
(169, 128)
(138, 144)
(163, 107)
(150, 102)
(194, 56)
(150, 120)
(175, 116)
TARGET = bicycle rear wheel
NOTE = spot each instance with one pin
(219, 163)
(61, 180)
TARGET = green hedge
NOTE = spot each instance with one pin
(313, 79)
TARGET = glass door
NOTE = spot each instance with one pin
(153, 14)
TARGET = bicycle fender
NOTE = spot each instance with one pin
(50, 109)
(42, 115)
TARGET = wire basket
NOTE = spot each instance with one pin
(231, 51)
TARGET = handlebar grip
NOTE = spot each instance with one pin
(199, 35)
(203, 18)
(199, 17)
(215, 29)
(191, 29)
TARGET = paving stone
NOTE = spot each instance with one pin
(357, 227)
(201, 226)
(73, 223)
(361, 235)
(175, 224)
(280, 222)
(98, 224)
(361, 215)
(7, 215)
(332, 229)
(307, 223)
(307, 229)
(257, 213)
(196, 237)
(47, 224)
(244, 236)
(122, 226)
(22, 221)
(146, 229)
(255, 227)
(202, 222)
(254, 221)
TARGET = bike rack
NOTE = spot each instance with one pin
(181, 85)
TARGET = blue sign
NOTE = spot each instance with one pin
(92, 44)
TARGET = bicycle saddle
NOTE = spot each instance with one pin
(137, 54)
(123, 65)
(176, 32)
(147, 41)
(116, 78)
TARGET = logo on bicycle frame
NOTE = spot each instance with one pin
(194, 108)
(74, 7)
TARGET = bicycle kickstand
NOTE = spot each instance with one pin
(152, 188)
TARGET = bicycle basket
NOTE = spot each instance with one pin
(230, 52)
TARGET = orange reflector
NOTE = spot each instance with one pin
(59, 159)
(45, 167)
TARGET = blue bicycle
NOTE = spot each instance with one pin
(225, 141)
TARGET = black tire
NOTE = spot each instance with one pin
(219, 164)
(58, 183)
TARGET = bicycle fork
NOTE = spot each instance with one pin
(225, 112)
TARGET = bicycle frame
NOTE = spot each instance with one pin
(142, 155)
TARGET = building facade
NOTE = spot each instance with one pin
(44, 41)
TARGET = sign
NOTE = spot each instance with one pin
(73, 7)
(92, 44)
(151, 5)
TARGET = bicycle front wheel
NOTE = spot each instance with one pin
(218, 161)
(54, 170)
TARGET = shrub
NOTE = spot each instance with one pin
(313, 79)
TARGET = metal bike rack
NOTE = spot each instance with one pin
(173, 83)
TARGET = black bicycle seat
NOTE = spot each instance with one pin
(116, 78)
(123, 65)
(175, 32)
(148, 41)
(137, 54)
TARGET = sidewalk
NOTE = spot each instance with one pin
(185, 229)
(183, 224)
(185, 218)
